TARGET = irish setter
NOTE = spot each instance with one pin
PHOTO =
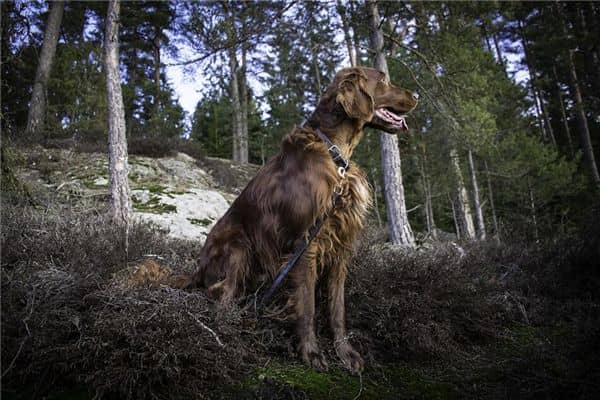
(272, 214)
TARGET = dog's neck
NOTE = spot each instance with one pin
(344, 133)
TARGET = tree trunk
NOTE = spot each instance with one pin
(476, 200)
(117, 141)
(240, 143)
(131, 105)
(315, 63)
(37, 107)
(563, 113)
(243, 82)
(536, 234)
(499, 52)
(582, 124)
(492, 206)
(400, 230)
(156, 54)
(455, 217)
(376, 197)
(236, 107)
(347, 36)
(431, 228)
(584, 131)
(537, 101)
(464, 217)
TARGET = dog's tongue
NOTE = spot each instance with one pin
(392, 118)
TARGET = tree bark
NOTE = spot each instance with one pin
(537, 100)
(584, 131)
(492, 206)
(431, 228)
(347, 36)
(582, 124)
(240, 144)
(476, 200)
(536, 234)
(400, 230)
(499, 52)
(464, 216)
(156, 54)
(117, 141)
(236, 107)
(563, 113)
(243, 82)
(37, 107)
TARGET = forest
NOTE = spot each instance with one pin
(129, 127)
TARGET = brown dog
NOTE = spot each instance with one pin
(272, 214)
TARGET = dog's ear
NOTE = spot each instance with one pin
(353, 96)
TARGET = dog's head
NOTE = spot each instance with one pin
(366, 95)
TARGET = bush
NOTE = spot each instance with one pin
(160, 146)
(69, 319)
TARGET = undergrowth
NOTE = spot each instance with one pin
(483, 321)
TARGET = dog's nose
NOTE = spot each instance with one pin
(415, 95)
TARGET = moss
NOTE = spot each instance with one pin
(200, 222)
(154, 188)
(419, 384)
(91, 184)
(388, 382)
(153, 206)
(136, 161)
(295, 378)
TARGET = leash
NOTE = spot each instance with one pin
(343, 165)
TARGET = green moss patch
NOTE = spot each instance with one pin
(154, 188)
(386, 382)
(153, 206)
(200, 222)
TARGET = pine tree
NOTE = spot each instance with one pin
(117, 142)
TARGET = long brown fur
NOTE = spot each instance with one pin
(260, 230)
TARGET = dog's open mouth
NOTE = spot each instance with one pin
(389, 116)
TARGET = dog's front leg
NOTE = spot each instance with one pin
(350, 357)
(305, 277)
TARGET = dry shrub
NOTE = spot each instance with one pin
(431, 302)
(67, 317)
(160, 146)
(65, 321)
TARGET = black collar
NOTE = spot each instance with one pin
(335, 153)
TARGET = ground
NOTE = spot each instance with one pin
(86, 313)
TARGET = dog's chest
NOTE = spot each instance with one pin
(355, 201)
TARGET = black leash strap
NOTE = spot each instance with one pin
(312, 233)
(343, 164)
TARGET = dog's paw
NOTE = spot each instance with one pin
(312, 356)
(350, 357)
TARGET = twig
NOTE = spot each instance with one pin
(414, 208)
(12, 363)
(208, 329)
(361, 386)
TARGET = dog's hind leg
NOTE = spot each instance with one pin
(305, 278)
(235, 264)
